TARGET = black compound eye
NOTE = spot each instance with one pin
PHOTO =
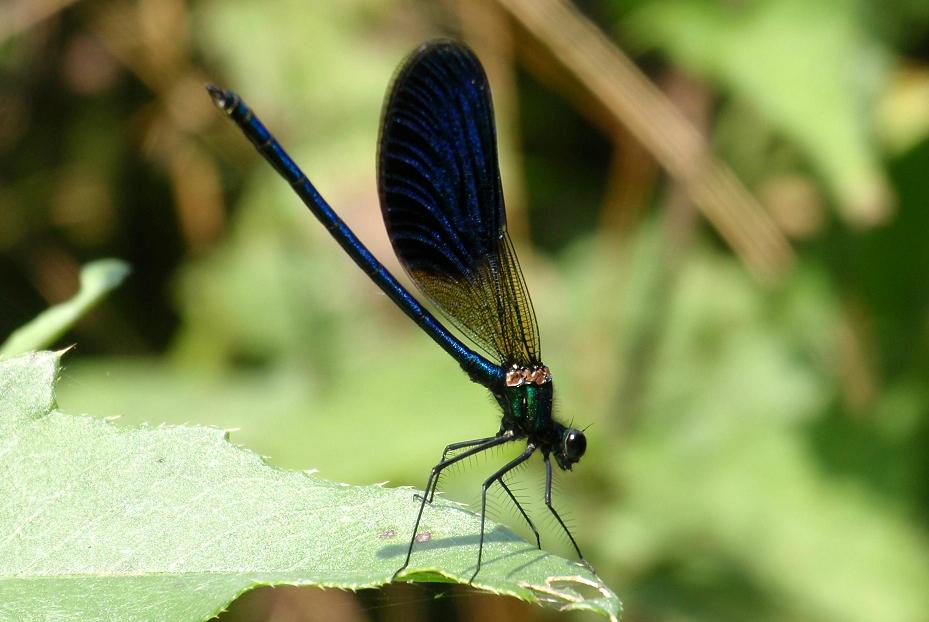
(575, 444)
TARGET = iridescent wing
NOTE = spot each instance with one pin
(439, 184)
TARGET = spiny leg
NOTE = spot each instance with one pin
(463, 444)
(548, 503)
(433, 475)
(538, 541)
(448, 448)
(509, 466)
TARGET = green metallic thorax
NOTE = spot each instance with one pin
(528, 410)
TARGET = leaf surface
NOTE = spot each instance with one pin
(172, 523)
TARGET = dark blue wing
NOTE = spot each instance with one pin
(442, 201)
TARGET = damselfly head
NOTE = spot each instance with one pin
(571, 448)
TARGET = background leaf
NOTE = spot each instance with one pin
(808, 68)
(97, 279)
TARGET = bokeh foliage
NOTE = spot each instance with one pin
(758, 452)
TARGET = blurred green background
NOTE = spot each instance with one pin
(760, 426)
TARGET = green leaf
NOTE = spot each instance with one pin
(97, 279)
(109, 523)
(722, 481)
(810, 68)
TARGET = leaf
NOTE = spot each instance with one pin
(814, 94)
(721, 477)
(97, 279)
(107, 523)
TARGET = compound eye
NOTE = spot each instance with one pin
(575, 444)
